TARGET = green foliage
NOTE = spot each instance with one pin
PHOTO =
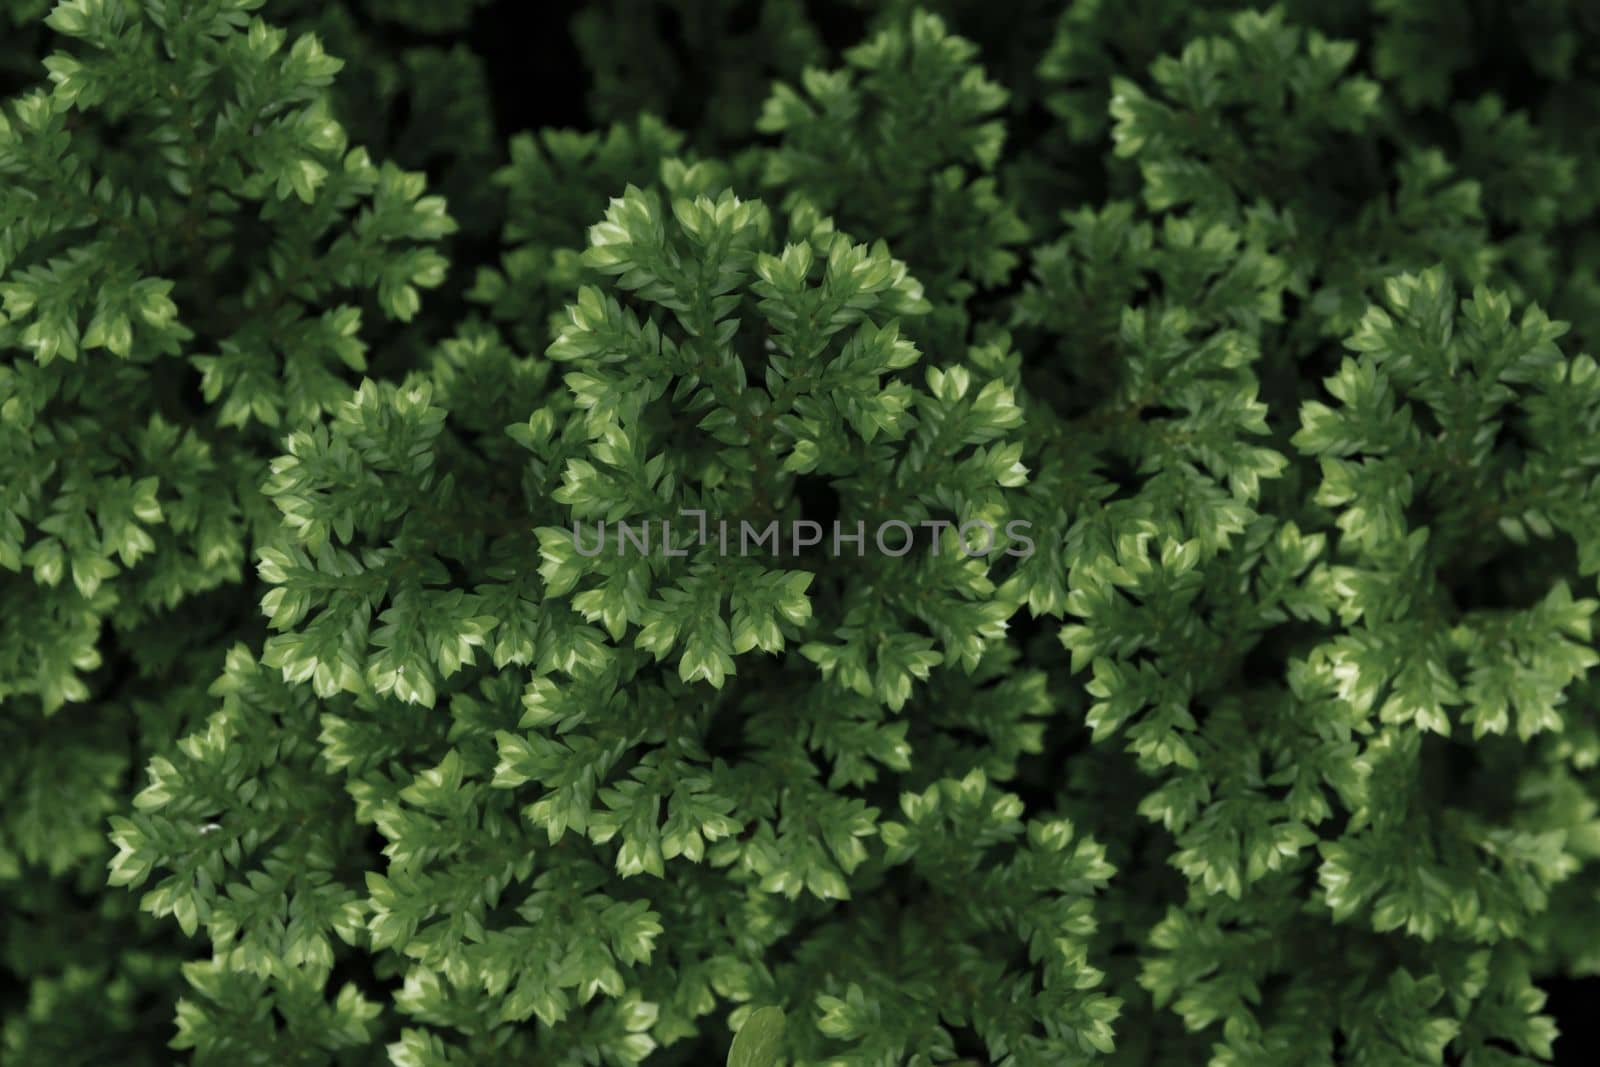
(905, 139)
(451, 621)
(758, 1040)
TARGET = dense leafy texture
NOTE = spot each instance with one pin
(459, 601)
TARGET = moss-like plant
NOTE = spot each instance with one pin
(1061, 543)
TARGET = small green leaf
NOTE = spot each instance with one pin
(758, 1040)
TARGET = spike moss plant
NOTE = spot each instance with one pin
(917, 534)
